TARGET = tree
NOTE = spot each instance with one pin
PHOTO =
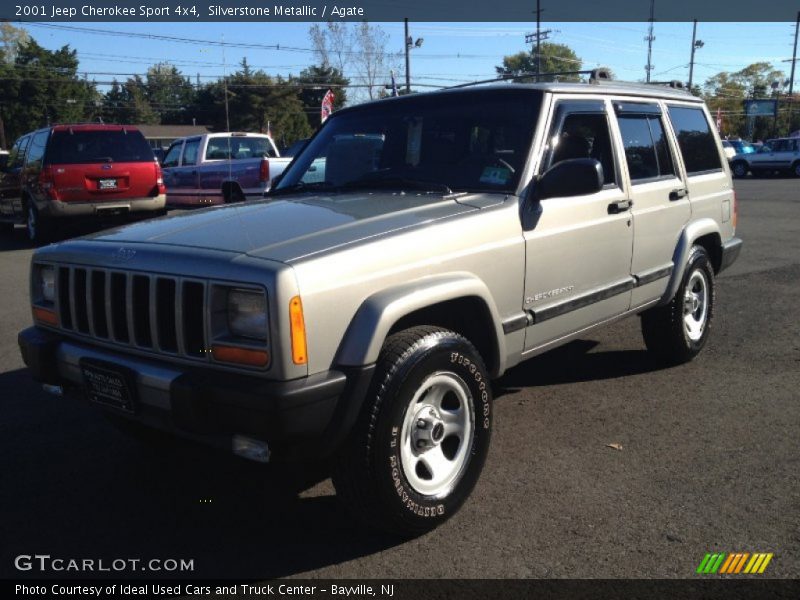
(726, 92)
(12, 38)
(314, 82)
(359, 52)
(256, 102)
(554, 58)
(41, 87)
(170, 94)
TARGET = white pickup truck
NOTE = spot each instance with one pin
(219, 168)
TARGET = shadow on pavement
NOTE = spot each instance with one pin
(75, 487)
(575, 362)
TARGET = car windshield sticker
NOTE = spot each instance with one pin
(495, 175)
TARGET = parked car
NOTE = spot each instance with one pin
(82, 171)
(777, 155)
(361, 318)
(734, 147)
(218, 168)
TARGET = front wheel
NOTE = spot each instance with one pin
(423, 435)
(796, 169)
(676, 333)
(739, 169)
(37, 228)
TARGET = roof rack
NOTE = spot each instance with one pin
(597, 76)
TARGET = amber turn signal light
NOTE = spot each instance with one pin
(44, 315)
(240, 356)
(298, 328)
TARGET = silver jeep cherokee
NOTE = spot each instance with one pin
(416, 249)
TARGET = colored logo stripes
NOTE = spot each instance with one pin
(734, 563)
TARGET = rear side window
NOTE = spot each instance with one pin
(92, 146)
(695, 139)
(239, 147)
(646, 148)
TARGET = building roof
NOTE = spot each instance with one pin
(172, 131)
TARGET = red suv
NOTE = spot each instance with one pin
(82, 171)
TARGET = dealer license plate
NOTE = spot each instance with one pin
(108, 384)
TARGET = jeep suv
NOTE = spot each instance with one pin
(415, 249)
(82, 171)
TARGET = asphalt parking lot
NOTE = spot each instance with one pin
(709, 458)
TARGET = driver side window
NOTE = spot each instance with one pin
(582, 135)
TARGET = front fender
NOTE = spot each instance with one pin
(378, 313)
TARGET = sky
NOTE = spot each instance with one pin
(451, 53)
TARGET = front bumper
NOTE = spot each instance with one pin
(58, 209)
(730, 252)
(307, 417)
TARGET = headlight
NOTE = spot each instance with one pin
(46, 284)
(247, 314)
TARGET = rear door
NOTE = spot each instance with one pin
(101, 164)
(10, 178)
(705, 169)
(579, 252)
(660, 198)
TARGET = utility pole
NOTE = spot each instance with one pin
(407, 39)
(649, 39)
(537, 37)
(695, 45)
(794, 64)
(410, 45)
(794, 54)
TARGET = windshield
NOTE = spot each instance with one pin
(468, 141)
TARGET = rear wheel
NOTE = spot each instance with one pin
(676, 333)
(423, 436)
(233, 194)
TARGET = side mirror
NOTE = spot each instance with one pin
(572, 177)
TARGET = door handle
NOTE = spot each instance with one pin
(678, 194)
(619, 206)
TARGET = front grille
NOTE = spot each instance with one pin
(160, 313)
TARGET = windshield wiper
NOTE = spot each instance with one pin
(397, 182)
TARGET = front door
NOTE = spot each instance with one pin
(579, 251)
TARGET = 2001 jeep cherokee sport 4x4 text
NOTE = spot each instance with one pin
(416, 249)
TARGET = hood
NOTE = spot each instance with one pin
(289, 229)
